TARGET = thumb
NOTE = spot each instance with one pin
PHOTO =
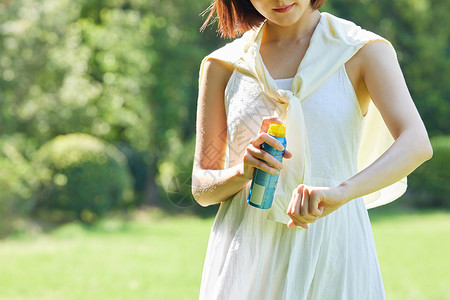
(321, 206)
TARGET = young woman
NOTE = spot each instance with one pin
(352, 131)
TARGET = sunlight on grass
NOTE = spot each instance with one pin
(413, 250)
(153, 257)
(156, 256)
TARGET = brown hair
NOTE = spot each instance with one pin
(237, 16)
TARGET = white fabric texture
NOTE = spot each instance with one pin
(284, 84)
(252, 257)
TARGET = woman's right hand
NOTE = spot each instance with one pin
(255, 157)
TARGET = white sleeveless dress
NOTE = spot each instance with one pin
(251, 257)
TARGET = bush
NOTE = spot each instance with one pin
(82, 178)
(138, 163)
(175, 179)
(17, 183)
(429, 185)
(174, 175)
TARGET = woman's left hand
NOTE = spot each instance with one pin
(311, 203)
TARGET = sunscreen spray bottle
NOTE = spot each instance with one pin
(264, 184)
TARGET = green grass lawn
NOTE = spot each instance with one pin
(156, 256)
(414, 253)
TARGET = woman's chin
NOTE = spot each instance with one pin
(284, 22)
(288, 19)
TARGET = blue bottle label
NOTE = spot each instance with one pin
(264, 184)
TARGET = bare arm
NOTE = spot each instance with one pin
(383, 79)
(385, 83)
(211, 183)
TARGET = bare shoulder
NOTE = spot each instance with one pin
(375, 61)
(211, 123)
(377, 55)
(375, 47)
(216, 73)
(372, 55)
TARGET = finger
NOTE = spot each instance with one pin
(305, 202)
(294, 206)
(268, 139)
(289, 213)
(251, 160)
(293, 209)
(294, 199)
(321, 208)
(297, 203)
(314, 200)
(265, 124)
(287, 153)
(265, 156)
(298, 219)
(293, 224)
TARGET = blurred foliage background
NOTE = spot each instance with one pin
(98, 101)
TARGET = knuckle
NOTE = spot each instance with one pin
(254, 140)
(253, 151)
(248, 148)
(265, 155)
(260, 165)
(264, 136)
(245, 157)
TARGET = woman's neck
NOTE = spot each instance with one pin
(299, 31)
